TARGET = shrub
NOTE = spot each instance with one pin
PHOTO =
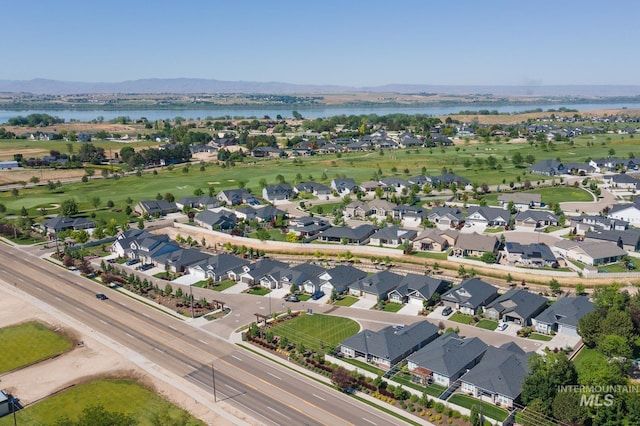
(414, 398)
(438, 407)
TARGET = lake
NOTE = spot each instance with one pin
(320, 112)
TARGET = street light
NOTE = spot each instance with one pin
(191, 297)
(213, 379)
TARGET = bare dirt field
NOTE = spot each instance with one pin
(54, 175)
(83, 363)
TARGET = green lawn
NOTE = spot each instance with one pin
(113, 395)
(616, 267)
(392, 307)
(222, 285)
(489, 410)
(538, 336)
(274, 235)
(324, 209)
(25, 344)
(461, 318)
(346, 301)
(405, 378)
(365, 366)
(304, 297)
(314, 331)
(259, 291)
(587, 359)
(550, 195)
(487, 324)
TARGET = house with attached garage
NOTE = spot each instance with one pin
(521, 200)
(529, 255)
(339, 279)
(381, 209)
(446, 216)
(278, 192)
(582, 224)
(445, 359)
(308, 227)
(469, 296)
(308, 277)
(621, 181)
(535, 219)
(317, 189)
(411, 216)
(435, 239)
(392, 236)
(628, 239)
(267, 213)
(369, 187)
(357, 209)
(344, 186)
(376, 286)
(252, 272)
(475, 245)
(215, 220)
(562, 317)
(179, 260)
(155, 208)
(204, 202)
(393, 184)
(416, 289)
(235, 197)
(548, 168)
(338, 235)
(488, 216)
(60, 223)
(516, 305)
(218, 267)
(498, 377)
(389, 346)
(592, 253)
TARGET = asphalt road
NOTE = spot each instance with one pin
(268, 392)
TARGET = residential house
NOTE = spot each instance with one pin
(278, 192)
(446, 216)
(411, 216)
(516, 305)
(244, 213)
(389, 346)
(308, 277)
(203, 203)
(628, 239)
(529, 255)
(218, 267)
(339, 279)
(548, 168)
(343, 234)
(521, 200)
(621, 181)
(308, 227)
(591, 253)
(268, 213)
(469, 296)
(235, 197)
(317, 189)
(445, 359)
(475, 245)
(344, 186)
(376, 286)
(60, 223)
(498, 377)
(178, 260)
(155, 208)
(126, 240)
(369, 187)
(395, 184)
(628, 212)
(267, 152)
(381, 209)
(252, 273)
(420, 180)
(392, 236)
(434, 239)
(216, 220)
(535, 219)
(562, 317)
(356, 208)
(582, 224)
(5, 404)
(488, 216)
(448, 179)
(416, 289)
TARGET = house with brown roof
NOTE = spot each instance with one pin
(475, 245)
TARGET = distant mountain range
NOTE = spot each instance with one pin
(194, 85)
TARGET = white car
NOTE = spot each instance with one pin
(502, 326)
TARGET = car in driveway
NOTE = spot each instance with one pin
(146, 266)
(132, 262)
(317, 295)
(291, 298)
(101, 296)
(502, 326)
(447, 311)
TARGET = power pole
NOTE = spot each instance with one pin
(191, 297)
(213, 378)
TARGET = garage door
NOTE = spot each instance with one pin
(415, 301)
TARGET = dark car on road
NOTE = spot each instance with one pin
(292, 298)
(101, 296)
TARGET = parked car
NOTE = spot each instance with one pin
(101, 296)
(502, 326)
(317, 295)
(447, 311)
(292, 298)
(132, 262)
(146, 266)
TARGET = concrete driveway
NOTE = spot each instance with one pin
(364, 303)
(410, 309)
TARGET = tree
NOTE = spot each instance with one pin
(474, 416)
(262, 234)
(69, 207)
(341, 378)
(613, 346)
(169, 197)
(95, 202)
(24, 212)
(168, 289)
(488, 257)
(554, 285)
(547, 374)
(589, 328)
(566, 408)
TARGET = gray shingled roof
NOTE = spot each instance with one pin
(566, 311)
(449, 354)
(471, 293)
(501, 371)
(520, 301)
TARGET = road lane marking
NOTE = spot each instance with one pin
(202, 341)
(146, 315)
(127, 334)
(104, 322)
(191, 366)
(158, 349)
(369, 421)
(39, 289)
(273, 375)
(232, 388)
(122, 304)
(58, 299)
(278, 412)
(319, 397)
(173, 328)
(233, 356)
(80, 309)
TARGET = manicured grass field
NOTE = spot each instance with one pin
(365, 366)
(25, 344)
(315, 330)
(223, 285)
(326, 209)
(556, 194)
(586, 359)
(542, 337)
(405, 378)
(259, 291)
(304, 297)
(461, 318)
(346, 301)
(487, 324)
(124, 396)
(392, 307)
(489, 410)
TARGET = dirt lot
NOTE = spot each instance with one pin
(9, 176)
(83, 363)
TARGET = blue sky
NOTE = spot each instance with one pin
(352, 43)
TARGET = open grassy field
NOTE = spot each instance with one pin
(25, 344)
(181, 181)
(314, 331)
(124, 396)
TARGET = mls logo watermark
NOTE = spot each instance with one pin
(595, 400)
(598, 396)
